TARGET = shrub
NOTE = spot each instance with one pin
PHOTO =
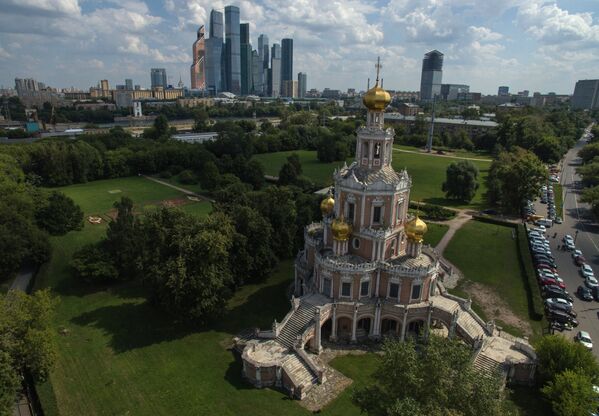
(187, 177)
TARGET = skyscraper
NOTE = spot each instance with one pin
(158, 77)
(198, 69)
(586, 94)
(432, 74)
(214, 54)
(246, 59)
(302, 84)
(129, 84)
(232, 50)
(257, 73)
(286, 60)
(264, 55)
(275, 70)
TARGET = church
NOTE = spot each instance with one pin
(364, 274)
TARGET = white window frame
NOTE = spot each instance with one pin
(351, 288)
(353, 243)
(330, 294)
(396, 282)
(381, 204)
(365, 280)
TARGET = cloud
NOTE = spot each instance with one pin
(4, 54)
(41, 7)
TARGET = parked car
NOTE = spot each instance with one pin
(595, 292)
(590, 281)
(586, 271)
(584, 293)
(570, 245)
(558, 301)
(567, 238)
(576, 253)
(562, 317)
(544, 266)
(540, 258)
(579, 260)
(552, 291)
(559, 308)
(585, 339)
(544, 281)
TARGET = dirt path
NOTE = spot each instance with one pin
(461, 218)
(438, 155)
(178, 188)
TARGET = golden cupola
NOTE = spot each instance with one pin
(341, 229)
(415, 229)
(327, 205)
(376, 98)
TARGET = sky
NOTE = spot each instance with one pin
(536, 45)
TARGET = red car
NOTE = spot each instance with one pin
(579, 260)
(546, 267)
(544, 281)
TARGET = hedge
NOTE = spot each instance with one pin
(433, 212)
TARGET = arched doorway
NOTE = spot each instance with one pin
(344, 328)
(389, 327)
(363, 327)
(326, 330)
(415, 328)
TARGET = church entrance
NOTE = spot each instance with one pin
(344, 328)
(326, 330)
(363, 329)
(415, 328)
(389, 327)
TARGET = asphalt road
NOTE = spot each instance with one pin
(578, 223)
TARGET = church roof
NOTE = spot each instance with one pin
(365, 176)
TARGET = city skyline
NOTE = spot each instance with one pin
(534, 45)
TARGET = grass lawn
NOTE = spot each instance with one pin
(435, 233)
(558, 195)
(457, 153)
(487, 254)
(197, 188)
(427, 172)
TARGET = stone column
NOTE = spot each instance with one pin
(354, 325)
(404, 323)
(244, 371)
(376, 330)
(452, 325)
(378, 283)
(333, 336)
(317, 334)
(429, 319)
(279, 376)
(258, 377)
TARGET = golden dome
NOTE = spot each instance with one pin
(341, 230)
(327, 205)
(415, 229)
(376, 99)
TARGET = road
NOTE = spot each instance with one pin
(577, 223)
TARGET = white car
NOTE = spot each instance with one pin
(591, 282)
(540, 229)
(585, 339)
(555, 301)
(567, 238)
(586, 271)
(576, 253)
(570, 245)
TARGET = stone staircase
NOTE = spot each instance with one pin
(487, 365)
(296, 325)
(299, 373)
(470, 325)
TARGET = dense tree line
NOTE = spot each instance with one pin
(589, 171)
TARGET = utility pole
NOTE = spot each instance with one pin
(429, 142)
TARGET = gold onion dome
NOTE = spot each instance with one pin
(327, 205)
(341, 229)
(415, 229)
(376, 99)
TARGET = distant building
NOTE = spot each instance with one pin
(198, 69)
(586, 95)
(432, 75)
(331, 94)
(275, 71)
(157, 78)
(503, 91)
(406, 96)
(408, 109)
(472, 127)
(129, 84)
(524, 93)
(302, 84)
(246, 59)
(104, 86)
(450, 92)
(286, 60)
(137, 109)
(232, 51)
(257, 73)
(214, 54)
(289, 89)
(264, 56)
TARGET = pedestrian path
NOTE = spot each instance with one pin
(454, 224)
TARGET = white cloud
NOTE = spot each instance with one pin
(4, 54)
(484, 34)
(43, 7)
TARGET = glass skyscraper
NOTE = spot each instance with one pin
(246, 59)
(275, 70)
(232, 50)
(264, 55)
(198, 67)
(286, 60)
(302, 84)
(214, 54)
(158, 77)
(432, 74)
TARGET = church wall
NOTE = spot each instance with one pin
(384, 281)
(365, 249)
(406, 289)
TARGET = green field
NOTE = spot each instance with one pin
(457, 153)
(427, 172)
(435, 233)
(487, 254)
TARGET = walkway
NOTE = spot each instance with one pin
(438, 155)
(178, 188)
(22, 280)
(454, 224)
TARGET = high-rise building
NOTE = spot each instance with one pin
(264, 56)
(232, 50)
(450, 92)
(129, 84)
(286, 60)
(246, 59)
(214, 54)
(198, 67)
(302, 84)
(257, 73)
(586, 95)
(26, 85)
(104, 85)
(289, 88)
(503, 91)
(275, 71)
(158, 77)
(432, 74)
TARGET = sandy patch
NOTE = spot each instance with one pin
(494, 307)
(114, 191)
(172, 203)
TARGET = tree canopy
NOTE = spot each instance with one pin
(461, 181)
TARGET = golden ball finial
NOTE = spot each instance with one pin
(327, 205)
(376, 99)
(415, 229)
(341, 229)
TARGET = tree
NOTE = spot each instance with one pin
(60, 215)
(436, 378)
(187, 177)
(515, 177)
(209, 176)
(26, 342)
(572, 394)
(557, 354)
(461, 181)
(93, 263)
(589, 152)
(122, 239)
(591, 196)
(287, 174)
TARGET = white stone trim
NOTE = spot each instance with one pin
(365, 278)
(398, 283)
(346, 279)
